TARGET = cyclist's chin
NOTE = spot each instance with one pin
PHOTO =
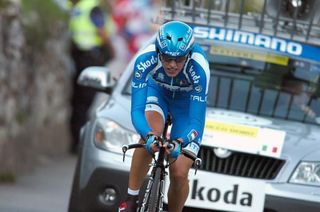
(172, 73)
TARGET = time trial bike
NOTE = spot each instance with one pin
(154, 194)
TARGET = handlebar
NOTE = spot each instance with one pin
(197, 161)
(125, 148)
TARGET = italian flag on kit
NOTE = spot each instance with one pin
(192, 135)
(243, 138)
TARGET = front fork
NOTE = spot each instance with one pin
(161, 197)
(146, 194)
(148, 190)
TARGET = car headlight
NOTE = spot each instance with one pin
(307, 173)
(109, 135)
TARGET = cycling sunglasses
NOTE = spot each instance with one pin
(167, 58)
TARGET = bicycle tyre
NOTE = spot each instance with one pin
(154, 198)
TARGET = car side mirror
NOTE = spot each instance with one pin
(98, 78)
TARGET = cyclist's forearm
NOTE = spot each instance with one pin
(194, 130)
(140, 123)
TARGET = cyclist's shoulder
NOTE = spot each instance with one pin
(197, 49)
(198, 59)
(146, 60)
(147, 53)
(198, 55)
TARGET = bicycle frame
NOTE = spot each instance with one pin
(154, 194)
(157, 165)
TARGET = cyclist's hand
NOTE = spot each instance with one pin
(174, 148)
(152, 144)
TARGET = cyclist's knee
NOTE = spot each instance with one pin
(178, 174)
(178, 177)
(180, 168)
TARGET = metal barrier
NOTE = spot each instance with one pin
(296, 20)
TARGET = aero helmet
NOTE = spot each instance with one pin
(175, 39)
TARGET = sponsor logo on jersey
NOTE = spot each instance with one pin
(143, 65)
(160, 76)
(198, 98)
(138, 75)
(198, 88)
(152, 99)
(192, 147)
(138, 85)
(195, 78)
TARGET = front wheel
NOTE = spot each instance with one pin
(153, 199)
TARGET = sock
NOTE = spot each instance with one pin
(133, 192)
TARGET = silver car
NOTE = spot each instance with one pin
(261, 145)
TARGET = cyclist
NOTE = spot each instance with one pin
(170, 75)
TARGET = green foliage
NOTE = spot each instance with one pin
(40, 20)
(22, 117)
(249, 6)
(3, 4)
(7, 177)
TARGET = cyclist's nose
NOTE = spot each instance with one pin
(172, 63)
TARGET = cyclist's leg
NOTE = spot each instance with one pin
(179, 184)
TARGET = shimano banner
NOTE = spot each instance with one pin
(267, 42)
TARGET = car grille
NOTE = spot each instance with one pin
(240, 164)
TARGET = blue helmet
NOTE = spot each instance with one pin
(175, 39)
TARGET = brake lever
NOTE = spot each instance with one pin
(124, 150)
(197, 164)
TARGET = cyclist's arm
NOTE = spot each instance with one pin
(139, 90)
(198, 99)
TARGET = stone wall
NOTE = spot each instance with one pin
(34, 89)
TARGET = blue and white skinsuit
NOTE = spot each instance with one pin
(184, 96)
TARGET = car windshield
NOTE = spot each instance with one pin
(265, 85)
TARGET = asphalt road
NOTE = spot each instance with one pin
(46, 189)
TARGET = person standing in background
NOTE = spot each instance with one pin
(91, 28)
(134, 21)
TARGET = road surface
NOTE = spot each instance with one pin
(46, 189)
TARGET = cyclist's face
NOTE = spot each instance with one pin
(172, 65)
